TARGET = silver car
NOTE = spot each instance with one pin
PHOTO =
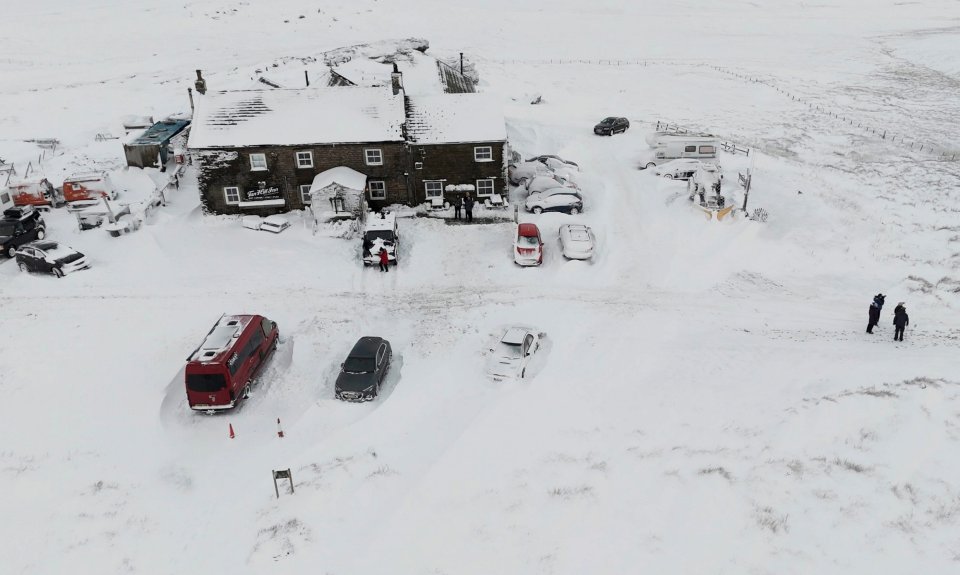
(577, 241)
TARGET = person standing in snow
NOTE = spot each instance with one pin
(468, 205)
(900, 321)
(367, 246)
(874, 311)
(456, 208)
(384, 260)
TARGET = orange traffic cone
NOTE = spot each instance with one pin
(279, 429)
(232, 434)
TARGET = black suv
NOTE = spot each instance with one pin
(362, 374)
(610, 126)
(20, 226)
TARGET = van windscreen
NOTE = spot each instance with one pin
(205, 381)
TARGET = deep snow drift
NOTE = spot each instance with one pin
(708, 401)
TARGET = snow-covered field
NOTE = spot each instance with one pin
(707, 401)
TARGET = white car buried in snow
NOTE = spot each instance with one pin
(511, 355)
(577, 241)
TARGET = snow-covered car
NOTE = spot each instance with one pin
(681, 169)
(555, 162)
(577, 241)
(380, 233)
(511, 355)
(274, 224)
(567, 200)
(47, 256)
(522, 172)
(528, 247)
(251, 222)
(543, 183)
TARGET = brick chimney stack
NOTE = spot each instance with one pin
(396, 80)
(200, 84)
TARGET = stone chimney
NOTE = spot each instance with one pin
(200, 84)
(396, 80)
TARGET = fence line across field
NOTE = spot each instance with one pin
(915, 144)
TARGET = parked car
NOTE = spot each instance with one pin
(361, 375)
(275, 223)
(47, 256)
(610, 126)
(528, 247)
(380, 233)
(577, 241)
(220, 372)
(554, 162)
(511, 355)
(522, 172)
(681, 169)
(560, 199)
(543, 183)
(20, 226)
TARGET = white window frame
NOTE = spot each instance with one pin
(226, 194)
(383, 188)
(367, 154)
(305, 197)
(487, 156)
(253, 165)
(309, 159)
(493, 188)
(426, 188)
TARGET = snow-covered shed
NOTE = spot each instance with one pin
(150, 149)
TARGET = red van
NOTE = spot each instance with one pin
(88, 187)
(219, 372)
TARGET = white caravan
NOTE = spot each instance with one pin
(666, 146)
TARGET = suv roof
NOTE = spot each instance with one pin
(387, 222)
(19, 213)
(366, 346)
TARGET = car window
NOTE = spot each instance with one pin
(27, 252)
(380, 351)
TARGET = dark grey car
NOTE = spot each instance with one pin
(361, 375)
(610, 126)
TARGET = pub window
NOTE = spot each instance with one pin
(374, 156)
(483, 154)
(433, 189)
(485, 187)
(305, 193)
(304, 159)
(378, 190)
(232, 194)
(258, 162)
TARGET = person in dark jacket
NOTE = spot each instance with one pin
(457, 203)
(384, 260)
(900, 321)
(468, 206)
(367, 246)
(874, 311)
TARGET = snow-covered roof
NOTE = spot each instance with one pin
(386, 222)
(221, 337)
(346, 177)
(289, 117)
(365, 72)
(454, 118)
(514, 335)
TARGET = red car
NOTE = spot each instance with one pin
(528, 247)
(219, 372)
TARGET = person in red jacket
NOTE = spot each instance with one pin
(384, 260)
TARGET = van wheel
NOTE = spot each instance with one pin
(538, 210)
(23, 267)
(650, 165)
(668, 176)
(574, 211)
(246, 391)
(41, 234)
(57, 272)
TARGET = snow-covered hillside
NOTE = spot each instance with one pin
(706, 401)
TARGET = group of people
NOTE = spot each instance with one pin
(900, 318)
(465, 205)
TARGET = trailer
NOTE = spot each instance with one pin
(37, 193)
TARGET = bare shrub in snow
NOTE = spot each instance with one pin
(718, 471)
(851, 466)
(572, 492)
(767, 518)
